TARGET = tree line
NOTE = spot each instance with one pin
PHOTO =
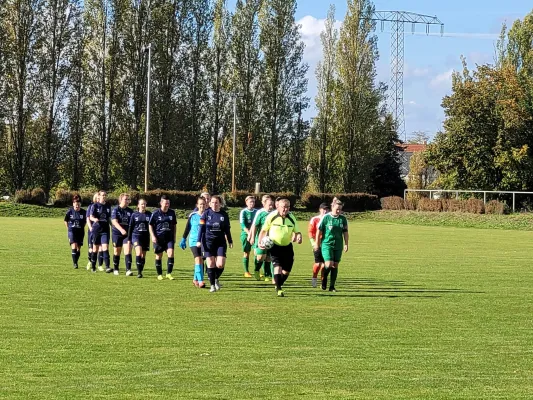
(73, 88)
(487, 140)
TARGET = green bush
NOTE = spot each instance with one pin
(352, 201)
(392, 203)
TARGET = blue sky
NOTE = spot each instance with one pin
(471, 28)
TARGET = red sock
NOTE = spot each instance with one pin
(316, 268)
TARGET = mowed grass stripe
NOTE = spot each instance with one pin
(421, 312)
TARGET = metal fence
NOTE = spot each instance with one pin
(434, 192)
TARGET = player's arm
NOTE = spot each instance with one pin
(187, 227)
(151, 229)
(318, 237)
(227, 228)
(67, 217)
(241, 221)
(93, 216)
(264, 232)
(201, 231)
(115, 223)
(346, 235)
(89, 222)
(296, 234)
(311, 233)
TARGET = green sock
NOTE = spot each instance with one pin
(245, 263)
(258, 265)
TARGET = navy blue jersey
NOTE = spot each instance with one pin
(139, 223)
(122, 215)
(164, 223)
(90, 212)
(103, 213)
(76, 220)
(214, 226)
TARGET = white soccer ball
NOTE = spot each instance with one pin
(267, 243)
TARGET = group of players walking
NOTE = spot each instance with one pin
(269, 231)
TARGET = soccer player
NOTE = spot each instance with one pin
(191, 229)
(261, 255)
(332, 238)
(246, 217)
(163, 233)
(214, 235)
(120, 220)
(281, 227)
(90, 233)
(75, 220)
(313, 226)
(100, 217)
(139, 235)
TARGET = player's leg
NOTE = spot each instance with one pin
(105, 251)
(127, 256)
(246, 255)
(329, 260)
(198, 276)
(74, 252)
(317, 254)
(221, 264)
(337, 254)
(117, 251)
(211, 270)
(158, 250)
(170, 261)
(138, 257)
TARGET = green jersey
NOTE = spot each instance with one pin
(333, 228)
(246, 217)
(259, 220)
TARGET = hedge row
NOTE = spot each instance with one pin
(352, 201)
(474, 206)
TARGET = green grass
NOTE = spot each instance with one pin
(421, 313)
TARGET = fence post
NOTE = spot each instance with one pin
(257, 188)
(514, 200)
(431, 194)
(484, 197)
(404, 194)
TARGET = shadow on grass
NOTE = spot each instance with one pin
(299, 286)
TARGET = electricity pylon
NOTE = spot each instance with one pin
(398, 19)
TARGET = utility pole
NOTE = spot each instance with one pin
(149, 48)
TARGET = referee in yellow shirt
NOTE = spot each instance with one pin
(281, 226)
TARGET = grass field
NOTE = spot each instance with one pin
(421, 313)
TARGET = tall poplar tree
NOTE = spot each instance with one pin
(358, 101)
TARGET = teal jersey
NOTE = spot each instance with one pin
(246, 218)
(333, 228)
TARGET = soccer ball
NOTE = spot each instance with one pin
(267, 243)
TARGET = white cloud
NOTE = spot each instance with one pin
(443, 80)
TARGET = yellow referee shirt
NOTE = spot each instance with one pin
(280, 229)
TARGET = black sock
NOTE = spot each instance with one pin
(170, 265)
(106, 258)
(74, 253)
(90, 255)
(78, 255)
(159, 267)
(139, 263)
(284, 278)
(100, 258)
(143, 262)
(325, 278)
(219, 272)
(211, 273)
(278, 280)
(334, 272)
(94, 258)
(268, 271)
(257, 265)
(116, 261)
(129, 259)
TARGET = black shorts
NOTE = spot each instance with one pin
(318, 256)
(196, 251)
(282, 256)
(215, 249)
(119, 240)
(76, 237)
(142, 241)
(163, 244)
